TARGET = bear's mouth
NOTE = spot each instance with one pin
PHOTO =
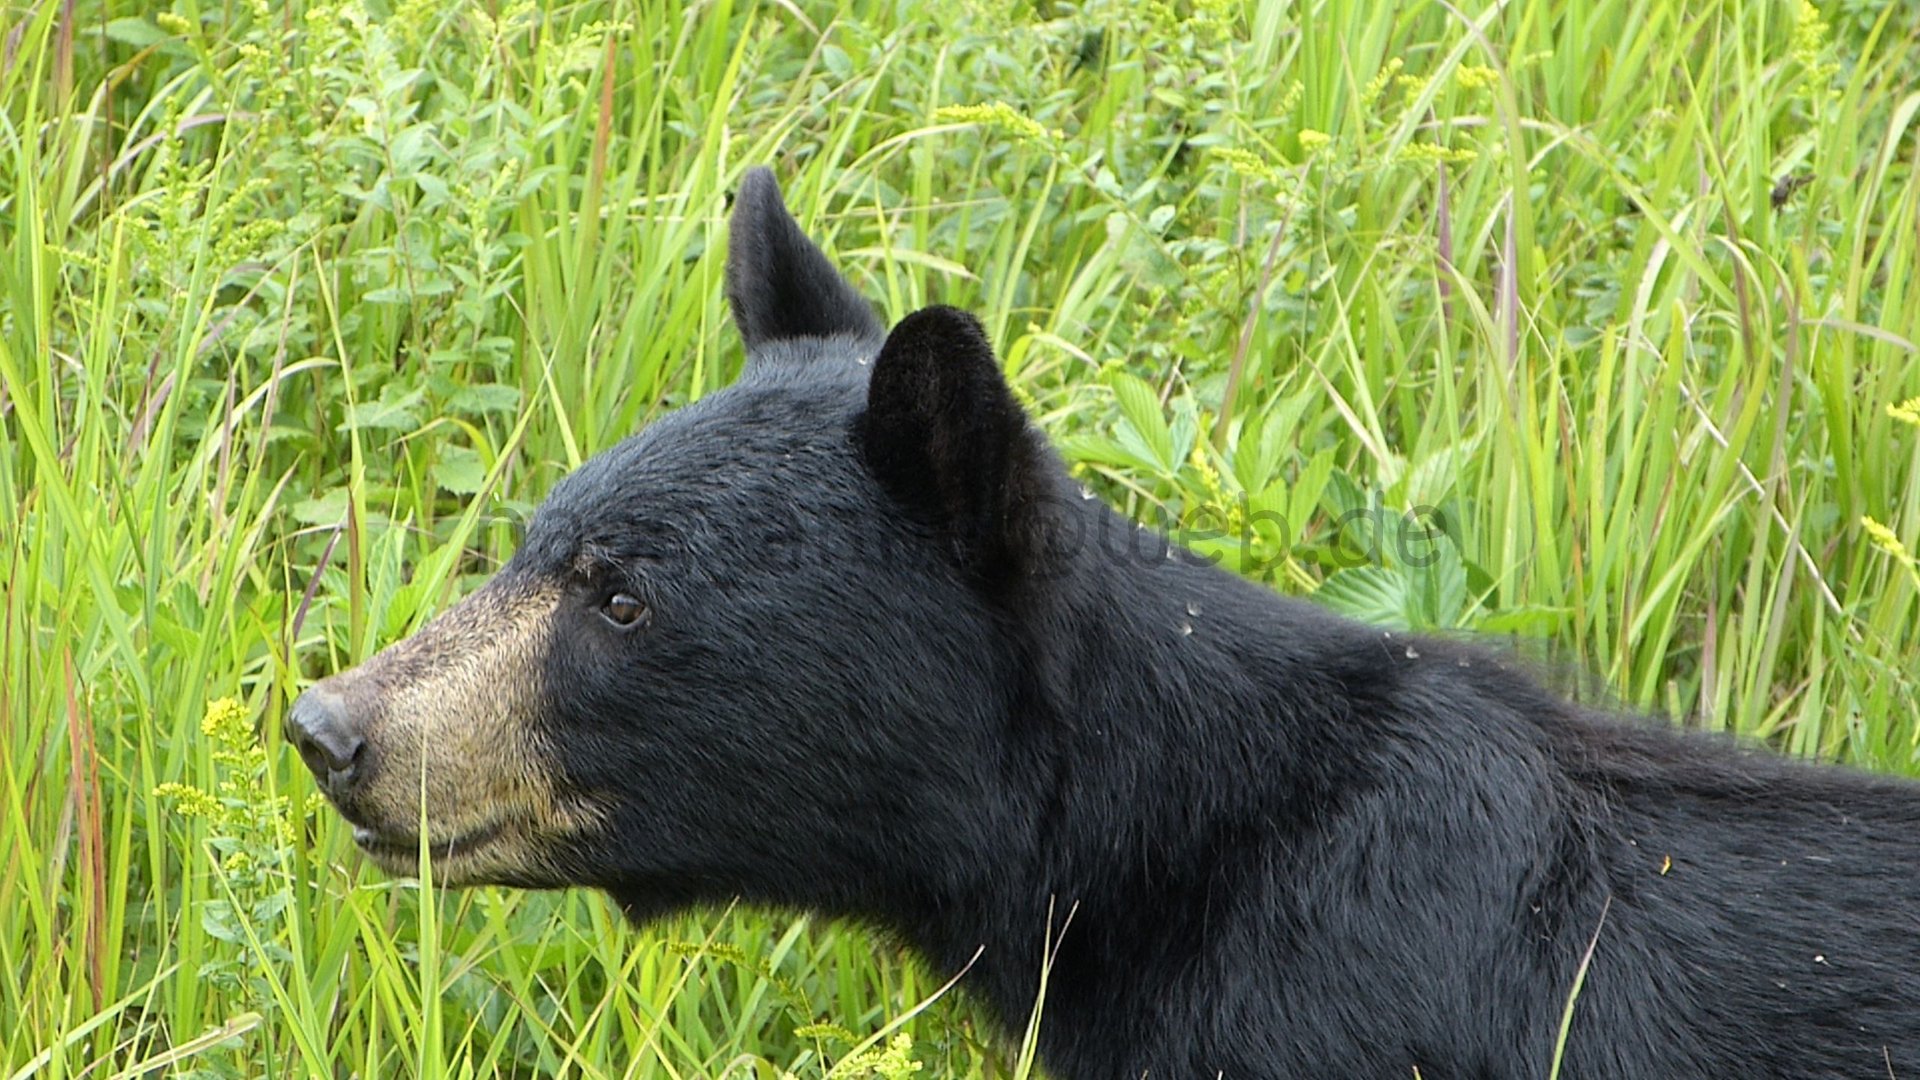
(402, 849)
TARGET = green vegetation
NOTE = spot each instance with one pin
(302, 308)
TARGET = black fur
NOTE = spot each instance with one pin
(899, 670)
(779, 284)
(944, 436)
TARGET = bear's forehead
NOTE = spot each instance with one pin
(836, 364)
(738, 455)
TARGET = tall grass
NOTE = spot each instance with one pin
(1609, 304)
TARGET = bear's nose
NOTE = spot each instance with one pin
(320, 727)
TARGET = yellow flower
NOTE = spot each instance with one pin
(226, 721)
(1476, 77)
(189, 801)
(996, 114)
(1388, 73)
(1809, 33)
(896, 1062)
(1431, 152)
(1312, 141)
(1885, 539)
(1411, 85)
(1291, 99)
(830, 1032)
(724, 951)
(1246, 163)
(1810, 48)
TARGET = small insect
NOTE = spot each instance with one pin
(1784, 188)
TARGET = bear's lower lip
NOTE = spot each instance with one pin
(389, 848)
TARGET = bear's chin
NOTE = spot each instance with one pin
(482, 857)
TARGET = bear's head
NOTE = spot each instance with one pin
(766, 648)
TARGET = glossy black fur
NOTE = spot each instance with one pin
(898, 670)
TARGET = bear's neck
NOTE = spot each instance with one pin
(1180, 711)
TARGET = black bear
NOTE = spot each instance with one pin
(846, 637)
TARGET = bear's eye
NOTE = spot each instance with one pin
(624, 610)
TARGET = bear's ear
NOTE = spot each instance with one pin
(946, 439)
(780, 285)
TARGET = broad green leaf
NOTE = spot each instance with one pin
(1376, 595)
